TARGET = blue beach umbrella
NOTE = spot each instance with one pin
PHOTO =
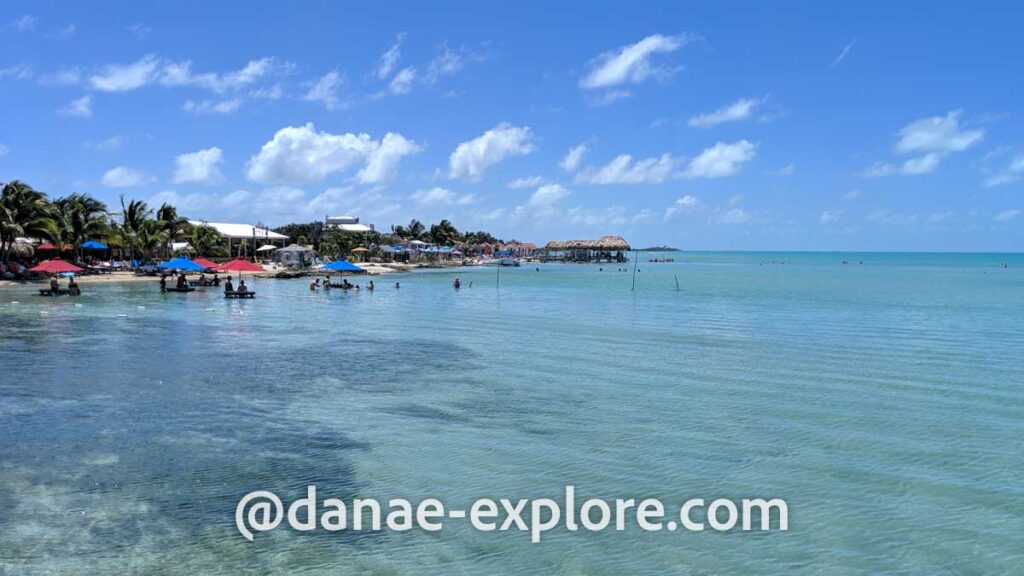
(181, 263)
(342, 266)
(93, 244)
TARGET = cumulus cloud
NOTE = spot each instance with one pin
(185, 203)
(440, 196)
(123, 177)
(448, 62)
(596, 217)
(681, 206)
(632, 63)
(625, 170)
(547, 195)
(721, 160)
(300, 154)
(472, 158)
(741, 109)
(733, 217)
(787, 170)
(201, 167)
(205, 107)
(933, 139)
(79, 107)
(325, 91)
(384, 158)
(65, 77)
(26, 23)
(526, 182)
(574, 158)
(125, 77)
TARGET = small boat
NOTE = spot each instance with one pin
(508, 262)
(176, 289)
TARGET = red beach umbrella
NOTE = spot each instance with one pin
(239, 265)
(46, 246)
(206, 263)
(55, 267)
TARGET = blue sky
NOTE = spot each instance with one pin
(712, 125)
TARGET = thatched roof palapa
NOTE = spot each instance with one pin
(608, 243)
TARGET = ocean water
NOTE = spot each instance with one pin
(884, 401)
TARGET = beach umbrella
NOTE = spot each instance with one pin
(181, 263)
(342, 266)
(209, 264)
(266, 248)
(94, 245)
(239, 265)
(55, 266)
(360, 249)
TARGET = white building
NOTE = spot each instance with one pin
(235, 233)
(347, 223)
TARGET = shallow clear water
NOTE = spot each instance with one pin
(884, 401)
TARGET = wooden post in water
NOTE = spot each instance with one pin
(636, 260)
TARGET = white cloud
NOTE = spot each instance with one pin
(721, 160)
(632, 63)
(681, 205)
(180, 74)
(741, 109)
(187, 204)
(472, 158)
(852, 195)
(940, 134)
(79, 107)
(385, 157)
(527, 182)
(368, 204)
(389, 59)
(933, 138)
(1012, 173)
(201, 167)
(885, 216)
(205, 107)
(125, 77)
(842, 55)
(787, 170)
(547, 195)
(1006, 215)
(64, 32)
(325, 91)
(111, 143)
(300, 154)
(448, 63)
(17, 71)
(122, 177)
(26, 23)
(733, 216)
(829, 216)
(574, 158)
(440, 196)
(4, 149)
(402, 82)
(236, 199)
(624, 170)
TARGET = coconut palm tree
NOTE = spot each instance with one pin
(133, 216)
(150, 239)
(415, 230)
(79, 218)
(175, 226)
(24, 211)
(205, 239)
(444, 233)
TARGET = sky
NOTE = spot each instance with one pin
(700, 125)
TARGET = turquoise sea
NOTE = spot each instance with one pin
(884, 401)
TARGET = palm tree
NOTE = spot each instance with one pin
(175, 226)
(23, 212)
(79, 218)
(150, 238)
(133, 216)
(444, 233)
(415, 229)
(205, 239)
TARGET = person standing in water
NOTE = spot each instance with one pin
(456, 283)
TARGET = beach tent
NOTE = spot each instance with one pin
(294, 256)
(94, 245)
(181, 263)
(55, 266)
(208, 264)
